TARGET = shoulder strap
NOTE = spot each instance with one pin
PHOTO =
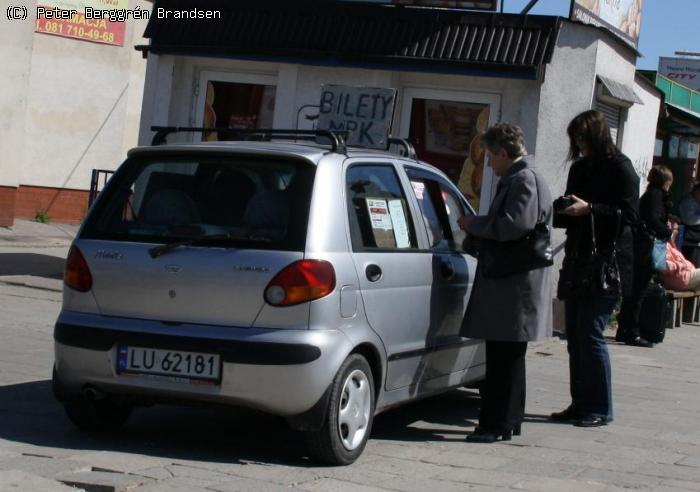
(539, 199)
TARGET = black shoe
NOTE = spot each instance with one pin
(592, 422)
(568, 415)
(639, 342)
(488, 436)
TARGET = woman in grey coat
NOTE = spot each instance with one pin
(508, 311)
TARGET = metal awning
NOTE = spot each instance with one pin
(681, 121)
(619, 92)
(360, 35)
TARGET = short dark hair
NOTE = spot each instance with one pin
(505, 136)
(659, 175)
(592, 127)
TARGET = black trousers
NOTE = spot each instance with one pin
(503, 392)
(692, 253)
(631, 307)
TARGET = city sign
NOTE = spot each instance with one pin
(622, 17)
(685, 71)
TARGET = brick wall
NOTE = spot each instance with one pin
(8, 197)
(60, 205)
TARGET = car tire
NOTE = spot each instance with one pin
(102, 415)
(349, 416)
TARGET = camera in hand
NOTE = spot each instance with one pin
(563, 202)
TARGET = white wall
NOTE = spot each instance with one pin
(16, 39)
(298, 85)
(567, 91)
(83, 105)
(640, 129)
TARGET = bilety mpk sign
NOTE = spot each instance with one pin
(365, 112)
(82, 19)
(622, 17)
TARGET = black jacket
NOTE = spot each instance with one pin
(655, 205)
(609, 185)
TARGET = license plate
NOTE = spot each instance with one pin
(174, 363)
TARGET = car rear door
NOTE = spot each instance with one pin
(395, 273)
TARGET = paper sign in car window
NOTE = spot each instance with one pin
(382, 227)
(398, 219)
(418, 189)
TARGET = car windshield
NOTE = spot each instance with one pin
(238, 201)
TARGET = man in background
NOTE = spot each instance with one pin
(690, 217)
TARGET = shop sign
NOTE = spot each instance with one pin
(685, 71)
(622, 17)
(67, 18)
(365, 112)
(491, 5)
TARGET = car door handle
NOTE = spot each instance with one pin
(447, 269)
(373, 272)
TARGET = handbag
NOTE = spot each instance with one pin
(499, 259)
(658, 255)
(597, 275)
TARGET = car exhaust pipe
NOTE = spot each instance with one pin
(93, 394)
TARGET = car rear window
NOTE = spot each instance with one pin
(256, 202)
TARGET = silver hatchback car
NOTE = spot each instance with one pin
(317, 283)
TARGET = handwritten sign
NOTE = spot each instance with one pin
(365, 112)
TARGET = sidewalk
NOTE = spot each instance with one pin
(30, 234)
(32, 254)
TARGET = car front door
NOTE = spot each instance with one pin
(453, 270)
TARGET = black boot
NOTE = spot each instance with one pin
(639, 342)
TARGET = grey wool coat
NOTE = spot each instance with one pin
(517, 308)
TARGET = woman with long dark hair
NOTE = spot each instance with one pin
(600, 208)
(655, 207)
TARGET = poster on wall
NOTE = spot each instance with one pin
(622, 17)
(685, 71)
(77, 26)
(446, 134)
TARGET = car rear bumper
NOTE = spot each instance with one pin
(284, 372)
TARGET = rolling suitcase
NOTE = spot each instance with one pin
(655, 314)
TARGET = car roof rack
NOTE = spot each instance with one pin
(337, 139)
(409, 151)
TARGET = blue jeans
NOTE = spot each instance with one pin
(589, 362)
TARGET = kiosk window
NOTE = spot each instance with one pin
(379, 216)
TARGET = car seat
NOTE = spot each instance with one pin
(229, 195)
(268, 211)
(170, 207)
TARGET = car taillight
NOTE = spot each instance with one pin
(302, 281)
(77, 274)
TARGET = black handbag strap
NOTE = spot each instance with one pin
(618, 218)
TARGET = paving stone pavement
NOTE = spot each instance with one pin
(654, 443)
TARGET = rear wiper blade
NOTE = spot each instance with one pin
(166, 248)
